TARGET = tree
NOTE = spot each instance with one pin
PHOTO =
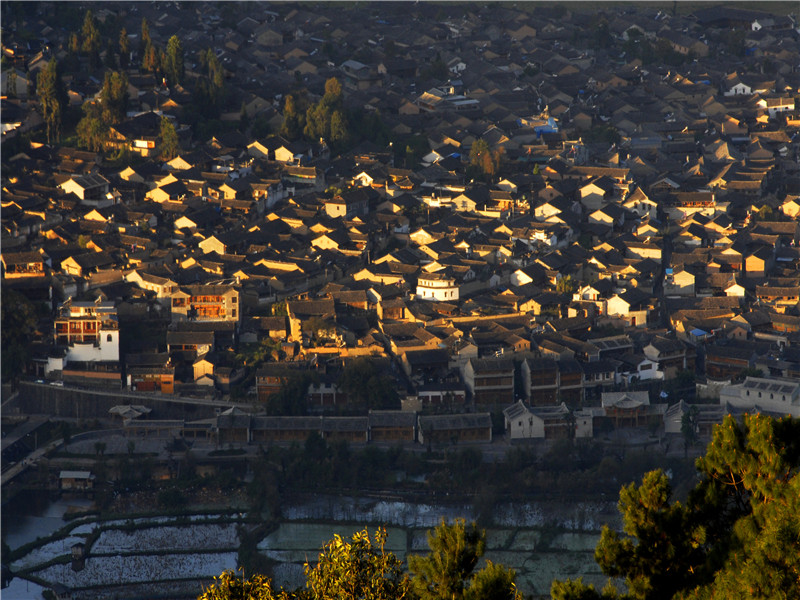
(114, 97)
(294, 115)
(358, 568)
(437, 69)
(91, 39)
(737, 534)
(454, 552)
(144, 41)
(565, 285)
(689, 428)
(74, 45)
(333, 93)
(209, 91)
(320, 117)
(50, 90)
(483, 159)
(18, 325)
(91, 129)
(290, 399)
(110, 60)
(151, 61)
(749, 502)
(66, 432)
(12, 83)
(493, 582)
(99, 448)
(124, 49)
(602, 34)
(173, 65)
(361, 568)
(366, 386)
(279, 309)
(244, 118)
(228, 586)
(169, 139)
(171, 499)
(339, 133)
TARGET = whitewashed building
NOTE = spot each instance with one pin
(762, 394)
(438, 287)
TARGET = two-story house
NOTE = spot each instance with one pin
(206, 302)
(490, 380)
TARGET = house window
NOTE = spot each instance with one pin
(108, 337)
(233, 313)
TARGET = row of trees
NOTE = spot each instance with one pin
(324, 120)
(328, 119)
(169, 63)
(361, 567)
(87, 44)
(736, 535)
(366, 386)
(112, 105)
(92, 129)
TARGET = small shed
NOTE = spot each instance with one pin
(76, 480)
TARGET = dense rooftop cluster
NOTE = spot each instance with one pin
(543, 206)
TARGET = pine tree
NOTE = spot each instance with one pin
(736, 536)
(454, 553)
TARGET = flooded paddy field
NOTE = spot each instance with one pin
(137, 557)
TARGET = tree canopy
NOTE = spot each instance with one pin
(19, 323)
(367, 386)
(209, 91)
(115, 97)
(736, 535)
(484, 160)
(92, 129)
(361, 568)
(170, 145)
(326, 119)
(358, 568)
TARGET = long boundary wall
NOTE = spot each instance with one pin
(76, 403)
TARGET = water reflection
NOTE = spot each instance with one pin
(34, 514)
